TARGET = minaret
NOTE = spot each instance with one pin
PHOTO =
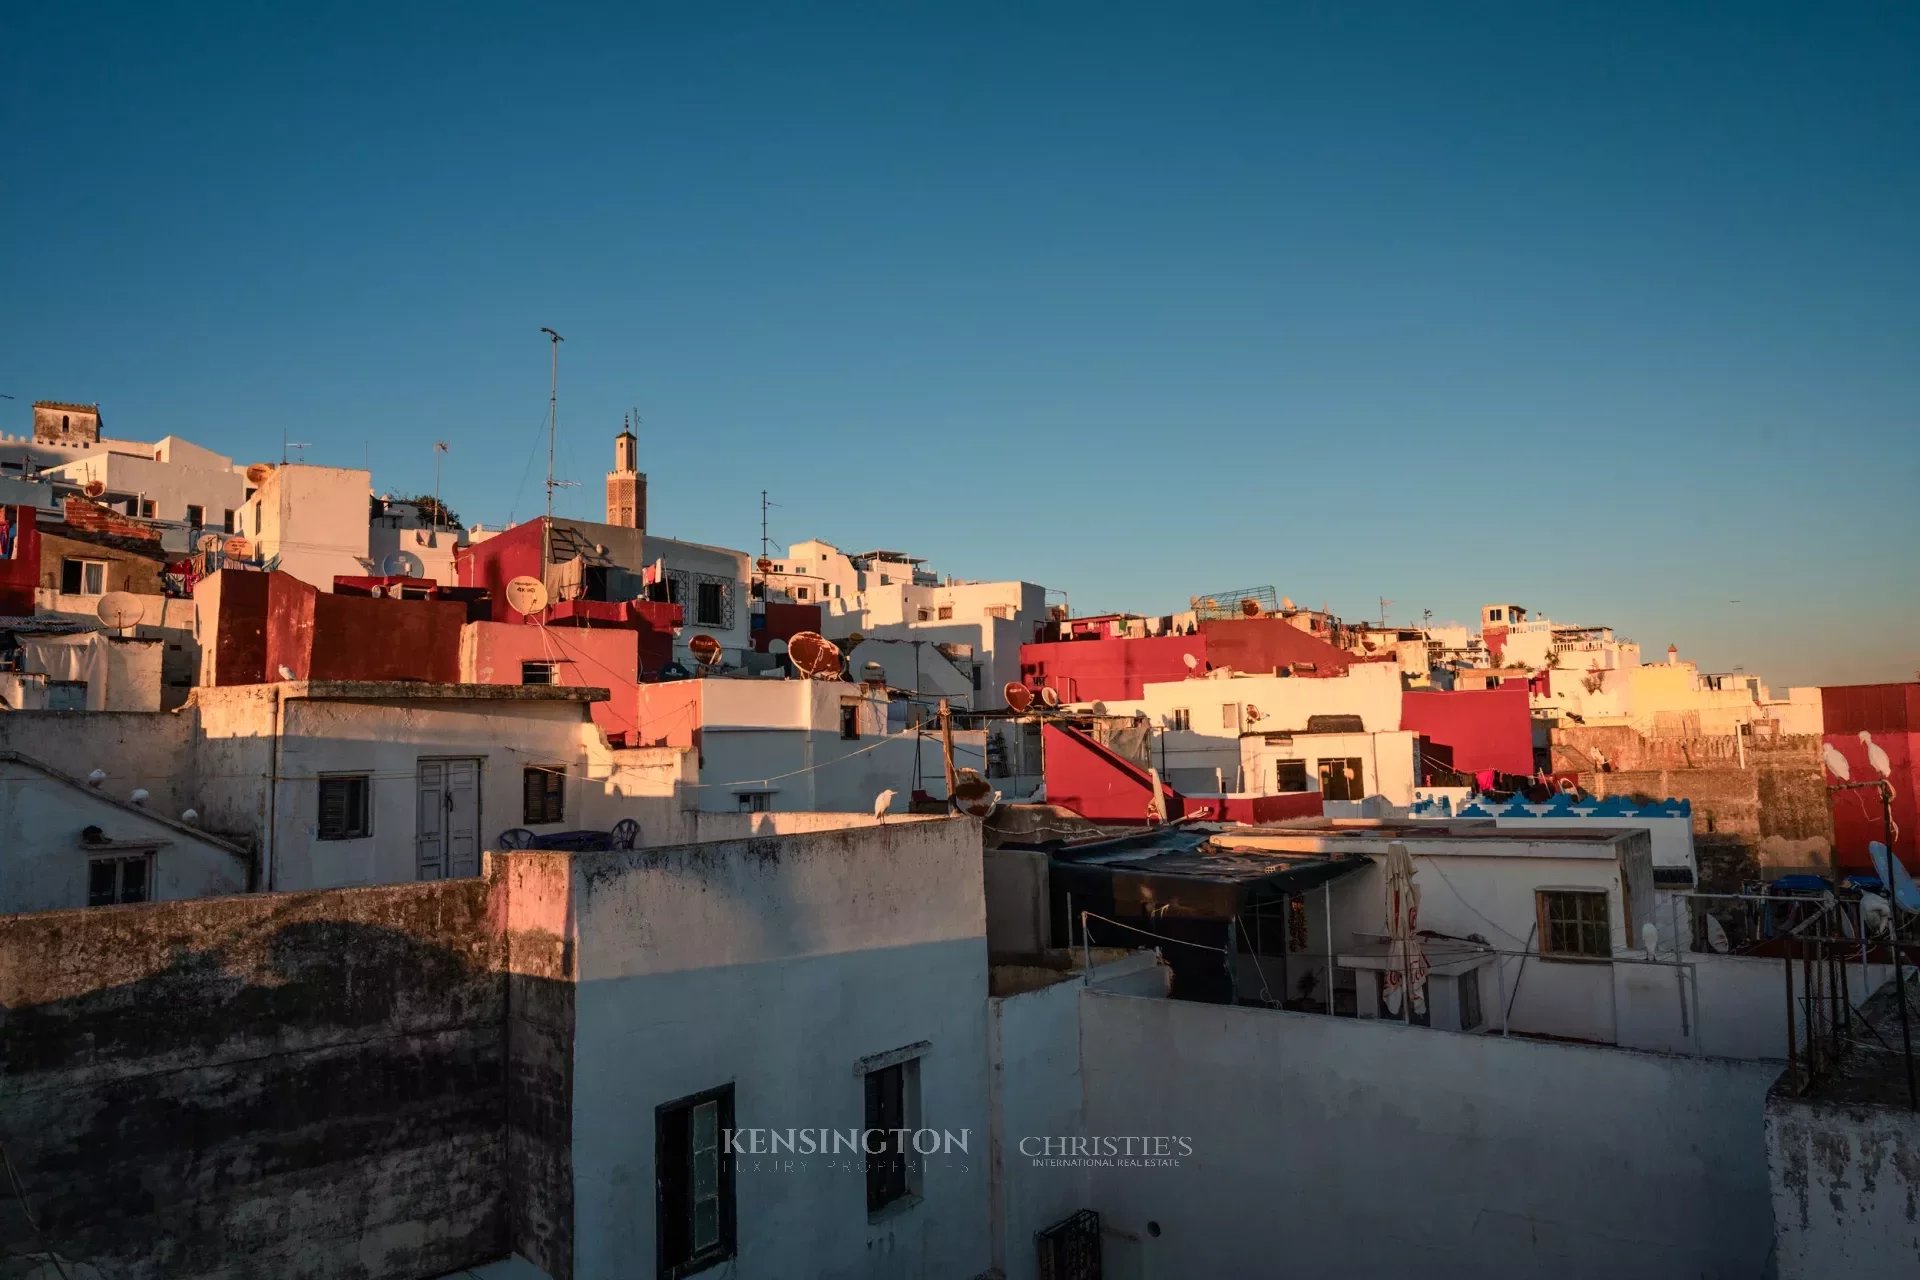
(626, 486)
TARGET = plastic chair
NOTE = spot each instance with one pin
(625, 832)
(515, 838)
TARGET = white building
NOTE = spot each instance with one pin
(69, 844)
(173, 480)
(404, 541)
(380, 782)
(311, 522)
(1199, 721)
(86, 670)
(1345, 769)
(772, 745)
(710, 585)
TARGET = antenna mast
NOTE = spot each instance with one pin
(439, 451)
(763, 524)
(553, 422)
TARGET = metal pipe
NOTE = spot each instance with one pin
(1792, 1049)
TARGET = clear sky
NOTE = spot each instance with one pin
(1612, 310)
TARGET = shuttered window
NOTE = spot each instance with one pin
(345, 811)
(545, 795)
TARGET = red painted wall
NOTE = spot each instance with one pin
(1109, 667)
(583, 657)
(1090, 780)
(20, 572)
(1265, 644)
(670, 713)
(495, 562)
(1890, 715)
(1487, 728)
(267, 621)
(784, 622)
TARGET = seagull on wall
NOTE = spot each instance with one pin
(286, 672)
(881, 803)
(1836, 763)
(1877, 755)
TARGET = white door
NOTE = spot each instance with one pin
(447, 838)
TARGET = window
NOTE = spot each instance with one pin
(146, 508)
(63, 423)
(538, 672)
(83, 577)
(1574, 922)
(256, 519)
(1229, 715)
(1470, 1014)
(850, 720)
(1179, 718)
(1495, 615)
(66, 695)
(345, 811)
(893, 1106)
(885, 581)
(230, 526)
(693, 1222)
(196, 515)
(799, 593)
(976, 679)
(709, 611)
(1342, 779)
(544, 795)
(1290, 776)
(946, 611)
(115, 880)
(923, 615)
(754, 801)
(999, 611)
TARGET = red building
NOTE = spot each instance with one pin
(1875, 728)
(267, 627)
(1487, 728)
(1105, 667)
(1103, 786)
(19, 560)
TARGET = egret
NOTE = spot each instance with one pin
(1836, 763)
(882, 802)
(190, 815)
(1877, 755)
(97, 777)
(139, 795)
(286, 672)
(1876, 915)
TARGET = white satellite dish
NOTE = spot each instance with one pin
(405, 564)
(1049, 696)
(1192, 662)
(776, 647)
(526, 595)
(119, 610)
(211, 543)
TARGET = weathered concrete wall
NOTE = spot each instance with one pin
(302, 1086)
(1581, 747)
(1353, 1148)
(1018, 908)
(1771, 816)
(533, 902)
(1846, 1189)
(137, 749)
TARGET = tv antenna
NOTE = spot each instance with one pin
(553, 426)
(440, 448)
(287, 445)
(1384, 602)
(764, 504)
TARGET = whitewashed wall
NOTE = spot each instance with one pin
(1331, 1146)
(1845, 1183)
(751, 962)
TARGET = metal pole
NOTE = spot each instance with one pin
(946, 747)
(553, 426)
(1899, 968)
(1786, 960)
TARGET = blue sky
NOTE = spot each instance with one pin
(1608, 310)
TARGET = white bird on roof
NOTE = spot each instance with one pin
(1876, 915)
(286, 672)
(139, 795)
(882, 802)
(1836, 763)
(97, 777)
(1877, 755)
(189, 815)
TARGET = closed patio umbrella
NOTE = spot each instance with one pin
(1407, 967)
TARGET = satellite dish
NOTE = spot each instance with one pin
(1193, 663)
(257, 474)
(1286, 604)
(776, 647)
(873, 673)
(813, 655)
(1250, 607)
(119, 610)
(94, 488)
(1049, 697)
(1018, 696)
(526, 595)
(973, 795)
(404, 564)
(705, 650)
(211, 543)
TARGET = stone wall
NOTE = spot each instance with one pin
(149, 749)
(1581, 747)
(307, 1086)
(1766, 819)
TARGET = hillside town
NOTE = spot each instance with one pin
(390, 897)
